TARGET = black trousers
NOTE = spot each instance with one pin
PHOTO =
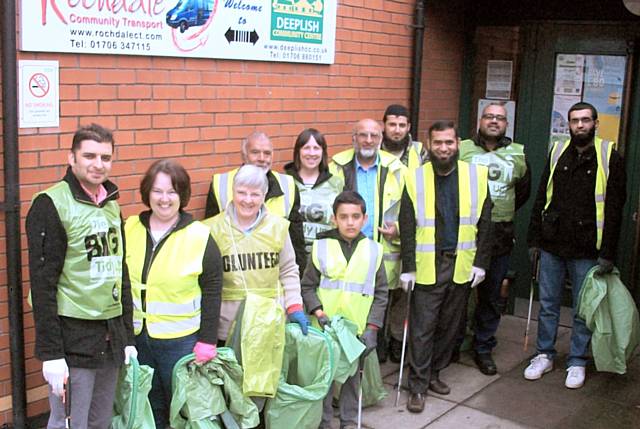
(435, 314)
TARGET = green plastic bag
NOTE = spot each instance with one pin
(343, 332)
(373, 390)
(131, 408)
(307, 372)
(262, 344)
(209, 396)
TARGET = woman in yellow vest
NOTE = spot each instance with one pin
(317, 186)
(176, 280)
(257, 254)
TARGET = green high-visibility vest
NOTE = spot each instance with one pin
(506, 165)
(90, 284)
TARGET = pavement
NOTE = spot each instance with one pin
(507, 400)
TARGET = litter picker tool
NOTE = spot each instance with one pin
(405, 330)
(360, 371)
(67, 404)
(535, 271)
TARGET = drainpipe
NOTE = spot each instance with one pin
(417, 68)
(11, 207)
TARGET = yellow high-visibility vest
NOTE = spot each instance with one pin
(347, 288)
(172, 292)
(603, 154)
(472, 192)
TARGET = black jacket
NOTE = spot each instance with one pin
(296, 232)
(311, 280)
(503, 232)
(407, 221)
(83, 343)
(210, 280)
(569, 226)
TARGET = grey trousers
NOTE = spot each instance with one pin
(92, 395)
(397, 313)
(348, 403)
(435, 314)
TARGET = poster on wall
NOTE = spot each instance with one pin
(301, 31)
(595, 79)
(39, 95)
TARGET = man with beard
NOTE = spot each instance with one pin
(282, 198)
(575, 225)
(397, 140)
(510, 186)
(378, 177)
(445, 234)
(397, 137)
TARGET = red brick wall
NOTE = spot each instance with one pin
(197, 111)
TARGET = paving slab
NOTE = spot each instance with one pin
(468, 418)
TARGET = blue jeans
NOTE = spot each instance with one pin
(487, 315)
(553, 270)
(162, 355)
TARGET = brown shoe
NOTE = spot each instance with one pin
(416, 402)
(439, 387)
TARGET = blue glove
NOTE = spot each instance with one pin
(299, 318)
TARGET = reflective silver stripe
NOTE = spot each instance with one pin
(173, 308)
(604, 149)
(599, 224)
(373, 258)
(468, 221)
(224, 197)
(137, 324)
(556, 154)
(425, 247)
(473, 182)
(170, 327)
(287, 196)
(391, 256)
(137, 304)
(365, 289)
(466, 245)
(599, 198)
(421, 209)
(323, 251)
(426, 223)
(398, 175)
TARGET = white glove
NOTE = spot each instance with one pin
(129, 352)
(407, 279)
(56, 373)
(477, 276)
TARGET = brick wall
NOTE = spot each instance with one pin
(197, 111)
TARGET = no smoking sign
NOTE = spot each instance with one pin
(39, 94)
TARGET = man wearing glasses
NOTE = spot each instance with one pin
(378, 177)
(510, 186)
(575, 225)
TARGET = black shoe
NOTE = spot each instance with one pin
(416, 402)
(485, 363)
(439, 387)
(395, 350)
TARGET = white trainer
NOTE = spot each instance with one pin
(575, 377)
(539, 366)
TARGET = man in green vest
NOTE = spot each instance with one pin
(397, 140)
(346, 278)
(80, 287)
(575, 225)
(445, 234)
(282, 199)
(510, 186)
(378, 177)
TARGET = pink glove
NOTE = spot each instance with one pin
(204, 352)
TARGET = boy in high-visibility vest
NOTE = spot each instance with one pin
(346, 277)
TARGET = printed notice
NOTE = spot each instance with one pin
(276, 30)
(39, 94)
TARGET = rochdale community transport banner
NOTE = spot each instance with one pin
(301, 31)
